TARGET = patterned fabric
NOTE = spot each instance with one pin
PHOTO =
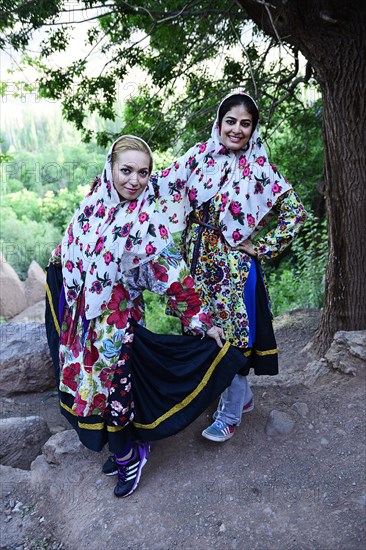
(220, 272)
(106, 238)
(247, 185)
(95, 355)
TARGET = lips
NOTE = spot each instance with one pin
(235, 139)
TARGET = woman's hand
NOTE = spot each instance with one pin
(216, 333)
(247, 247)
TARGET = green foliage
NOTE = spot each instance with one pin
(156, 319)
(299, 280)
(23, 240)
(190, 54)
(32, 226)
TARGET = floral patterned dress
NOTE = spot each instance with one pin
(95, 369)
(220, 272)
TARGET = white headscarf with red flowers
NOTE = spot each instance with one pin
(107, 237)
(245, 184)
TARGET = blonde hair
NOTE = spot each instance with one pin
(128, 143)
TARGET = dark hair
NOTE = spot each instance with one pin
(235, 101)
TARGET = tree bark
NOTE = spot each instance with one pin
(332, 37)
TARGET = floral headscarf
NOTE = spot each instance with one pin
(107, 237)
(246, 182)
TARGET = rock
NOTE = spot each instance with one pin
(60, 444)
(347, 352)
(314, 370)
(35, 284)
(35, 312)
(279, 423)
(22, 439)
(25, 364)
(301, 408)
(12, 293)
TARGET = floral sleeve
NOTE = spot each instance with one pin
(168, 274)
(291, 216)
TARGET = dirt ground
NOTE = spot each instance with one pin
(304, 490)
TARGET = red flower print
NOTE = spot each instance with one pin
(71, 295)
(202, 147)
(131, 207)
(80, 405)
(108, 257)
(91, 353)
(177, 197)
(69, 265)
(118, 306)
(143, 217)
(246, 171)
(192, 195)
(70, 375)
(188, 282)
(235, 208)
(250, 220)
(163, 231)
(110, 214)
(174, 288)
(165, 172)
(98, 402)
(160, 272)
(96, 287)
(99, 245)
(242, 161)
(237, 236)
(105, 374)
(150, 249)
(86, 227)
(101, 211)
(276, 188)
(260, 161)
(126, 230)
(88, 211)
(206, 319)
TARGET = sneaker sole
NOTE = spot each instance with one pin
(217, 438)
(249, 409)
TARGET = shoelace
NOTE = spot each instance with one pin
(122, 473)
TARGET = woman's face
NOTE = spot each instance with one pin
(131, 171)
(236, 128)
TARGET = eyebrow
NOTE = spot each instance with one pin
(243, 119)
(131, 166)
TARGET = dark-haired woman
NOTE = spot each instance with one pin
(222, 193)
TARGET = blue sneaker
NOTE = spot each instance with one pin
(219, 431)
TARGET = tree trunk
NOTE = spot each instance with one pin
(332, 37)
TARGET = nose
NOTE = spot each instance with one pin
(236, 127)
(133, 179)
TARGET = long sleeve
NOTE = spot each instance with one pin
(167, 274)
(170, 189)
(291, 215)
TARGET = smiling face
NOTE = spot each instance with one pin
(131, 172)
(236, 128)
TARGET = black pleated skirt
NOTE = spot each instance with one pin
(174, 378)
